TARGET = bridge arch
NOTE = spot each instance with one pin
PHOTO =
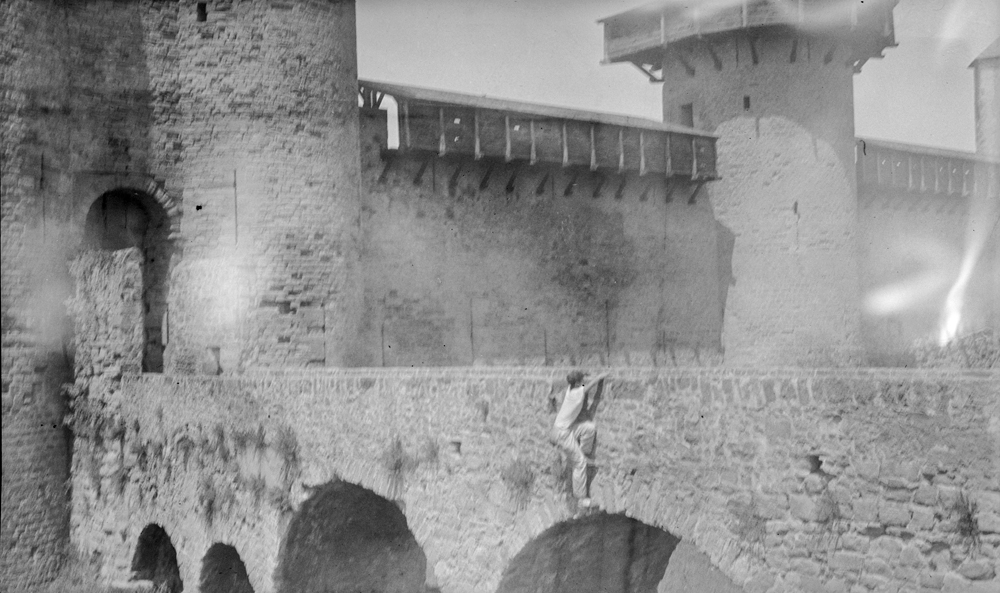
(223, 571)
(155, 560)
(346, 538)
(599, 553)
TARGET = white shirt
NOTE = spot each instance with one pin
(571, 406)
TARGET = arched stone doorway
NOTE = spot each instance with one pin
(155, 560)
(223, 571)
(345, 539)
(595, 554)
(127, 218)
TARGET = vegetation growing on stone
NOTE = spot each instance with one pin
(967, 524)
(519, 478)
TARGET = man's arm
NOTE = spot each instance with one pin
(593, 382)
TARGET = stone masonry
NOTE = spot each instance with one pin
(788, 480)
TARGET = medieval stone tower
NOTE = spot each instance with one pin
(774, 81)
(116, 118)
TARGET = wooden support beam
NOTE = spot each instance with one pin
(542, 185)
(621, 150)
(716, 60)
(571, 186)
(830, 53)
(599, 185)
(754, 57)
(909, 172)
(923, 174)
(565, 146)
(951, 176)
(694, 194)
(666, 149)
(620, 192)
(531, 131)
(745, 13)
(668, 189)
(475, 132)
(442, 142)
(512, 182)
(406, 123)
(593, 150)
(506, 128)
(687, 65)
(384, 176)
(485, 181)
(644, 196)
(418, 178)
(453, 180)
(694, 159)
(642, 153)
(795, 50)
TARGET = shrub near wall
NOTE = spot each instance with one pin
(787, 480)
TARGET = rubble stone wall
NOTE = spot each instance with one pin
(787, 480)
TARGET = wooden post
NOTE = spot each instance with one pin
(442, 143)
(531, 131)
(475, 128)
(565, 146)
(593, 150)
(621, 150)
(507, 150)
(642, 153)
(406, 122)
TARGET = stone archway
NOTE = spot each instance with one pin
(223, 571)
(155, 560)
(598, 553)
(345, 539)
(127, 218)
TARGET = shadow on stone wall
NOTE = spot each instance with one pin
(598, 553)
(223, 571)
(156, 560)
(346, 539)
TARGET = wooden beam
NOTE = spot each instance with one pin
(621, 149)
(406, 123)
(694, 194)
(565, 146)
(745, 12)
(666, 149)
(531, 131)
(694, 159)
(716, 60)
(485, 181)
(442, 143)
(475, 131)
(598, 186)
(909, 172)
(506, 128)
(593, 150)
(642, 153)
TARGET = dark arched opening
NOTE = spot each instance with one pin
(155, 560)
(595, 554)
(223, 571)
(123, 219)
(347, 539)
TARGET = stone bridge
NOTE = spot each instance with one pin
(777, 480)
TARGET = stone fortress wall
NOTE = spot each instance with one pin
(223, 114)
(222, 140)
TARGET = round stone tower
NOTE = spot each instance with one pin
(773, 78)
(231, 128)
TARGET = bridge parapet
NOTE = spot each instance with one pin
(751, 466)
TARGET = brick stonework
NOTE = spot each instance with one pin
(236, 122)
(788, 480)
(787, 193)
(497, 263)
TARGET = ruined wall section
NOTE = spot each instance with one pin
(485, 262)
(788, 480)
(784, 112)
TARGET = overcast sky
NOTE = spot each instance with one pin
(549, 51)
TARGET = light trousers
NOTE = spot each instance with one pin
(579, 443)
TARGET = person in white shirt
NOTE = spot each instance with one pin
(574, 430)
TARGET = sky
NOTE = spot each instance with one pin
(549, 51)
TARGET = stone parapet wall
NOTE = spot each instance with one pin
(788, 479)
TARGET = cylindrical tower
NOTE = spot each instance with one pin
(773, 78)
(229, 129)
